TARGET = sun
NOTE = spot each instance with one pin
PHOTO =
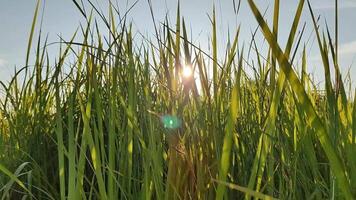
(187, 71)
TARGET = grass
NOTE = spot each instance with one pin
(110, 119)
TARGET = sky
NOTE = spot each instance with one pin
(61, 17)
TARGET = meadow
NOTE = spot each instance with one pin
(107, 119)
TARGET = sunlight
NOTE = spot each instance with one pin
(187, 71)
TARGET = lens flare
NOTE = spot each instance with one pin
(187, 71)
(170, 121)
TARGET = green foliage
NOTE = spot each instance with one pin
(110, 119)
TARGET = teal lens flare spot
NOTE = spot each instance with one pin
(171, 122)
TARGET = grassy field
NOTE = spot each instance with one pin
(109, 120)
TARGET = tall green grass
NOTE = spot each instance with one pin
(111, 118)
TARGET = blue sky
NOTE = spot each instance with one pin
(62, 18)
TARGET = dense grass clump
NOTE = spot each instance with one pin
(113, 120)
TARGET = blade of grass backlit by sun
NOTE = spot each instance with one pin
(87, 137)
(215, 56)
(131, 106)
(229, 130)
(353, 140)
(71, 147)
(59, 131)
(328, 85)
(112, 190)
(337, 102)
(177, 48)
(343, 111)
(34, 20)
(313, 119)
(59, 126)
(245, 190)
(271, 120)
(275, 33)
(14, 179)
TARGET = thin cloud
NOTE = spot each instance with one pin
(347, 48)
(330, 5)
(2, 62)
